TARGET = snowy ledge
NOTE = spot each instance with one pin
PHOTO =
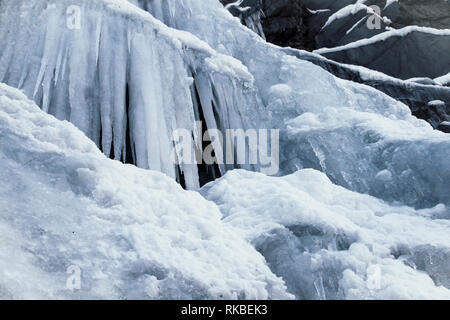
(384, 36)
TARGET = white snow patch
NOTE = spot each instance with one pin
(134, 233)
(330, 243)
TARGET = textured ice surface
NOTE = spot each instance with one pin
(135, 234)
(330, 243)
(350, 131)
(123, 77)
(126, 80)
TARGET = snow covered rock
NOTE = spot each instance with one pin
(330, 243)
(403, 39)
(312, 24)
(406, 53)
(132, 233)
(444, 126)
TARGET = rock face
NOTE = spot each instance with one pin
(403, 54)
(284, 24)
(350, 32)
(282, 20)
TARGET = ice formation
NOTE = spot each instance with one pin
(123, 78)
(352, 133)
(134, 233)
(127, 79)
(250, 13)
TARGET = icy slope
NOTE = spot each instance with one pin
(123, 78)
(330, 243)
(361, 138)
(416, 95)
(134, 233)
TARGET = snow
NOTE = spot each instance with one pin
(126, 80)
(351, 9)
(135, 234)
(384, 36)
(389, 2)
(376, 132)
(423, 80)
(318, 11)
(331, 243)
(436, 103)
(444, 80)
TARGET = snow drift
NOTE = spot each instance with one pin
(330, 243)
(135, 234)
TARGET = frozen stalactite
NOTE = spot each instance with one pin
(357, 131)
(253, 22)
(123, 78)
(250, 13)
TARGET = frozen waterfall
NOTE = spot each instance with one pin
(126, 80)
(361, 138)
(359, 209)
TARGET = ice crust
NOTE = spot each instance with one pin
(327, 242)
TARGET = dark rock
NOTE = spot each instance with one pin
(283, 23)
(282, 20)
(429, 13)
(417, 54)
(423, 56)
(444, 127)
